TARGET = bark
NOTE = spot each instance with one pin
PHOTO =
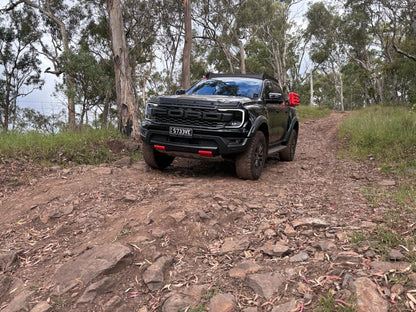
(104, 120)
(126, 97)
(186, 62)
(312, 99)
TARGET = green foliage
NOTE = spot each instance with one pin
(20, 64)
(84, 147)
(312, 112)
(329, 303)
(387, 133)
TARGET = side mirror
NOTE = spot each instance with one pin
(180, 91)
(275, 98)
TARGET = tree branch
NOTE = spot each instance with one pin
(412, 57)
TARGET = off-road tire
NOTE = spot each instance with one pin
(154, 158)
(288, 154)
(250, 163)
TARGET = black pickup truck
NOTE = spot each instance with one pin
(239, 117)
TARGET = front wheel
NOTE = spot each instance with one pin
(154, 158)
(249, 164)
(288, 154)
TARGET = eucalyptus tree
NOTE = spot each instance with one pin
(326, 47)
(19, 62)
(126, 97)
(281, 40)
(60, 23)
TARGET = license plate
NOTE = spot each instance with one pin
(182, 132)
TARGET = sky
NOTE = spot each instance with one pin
(47, 102)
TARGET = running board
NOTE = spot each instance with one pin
(276, 149)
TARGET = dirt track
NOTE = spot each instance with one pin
(200, 218)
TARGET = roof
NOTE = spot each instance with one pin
(255, 76)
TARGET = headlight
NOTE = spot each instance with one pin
(235, 117)
(148, 111)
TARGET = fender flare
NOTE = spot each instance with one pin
(260, 120)
(294, 124)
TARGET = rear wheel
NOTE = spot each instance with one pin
(288, 154)
(250, 163)
(154, 158)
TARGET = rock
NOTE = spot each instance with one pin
(368, 298)
(7, 260)
(129, 198)
(290, 231)
(233, 244)
(195, 291)
(241, 270)
(42, 306)
(88, 266)
(115, 146)
(285, 307)
(203, 215)
(178, 216)
(397, 289)
(313, 222)
(178, 302)
(387, 183)
(384, 267)
(125, 161)
(154, 275)
(348, 258)
(20, 303)
(265, 284)
(222, 303)
(326, 245)
(396, 255)
(131, 146)
(95, 289)
(58, 212)
(270, 233)
(254, 206)
(300, 257)
(370, 254)
(102, 170)
(113, 304)
(275, 250)
(143, 309)
(158, 232)
(252, 309)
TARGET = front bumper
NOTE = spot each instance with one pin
(218, 142)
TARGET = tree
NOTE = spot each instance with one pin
(186, 60)
(126, 97)
(60, 22)
(326, 46)
(20, 74)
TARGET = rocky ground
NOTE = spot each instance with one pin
(196, 238)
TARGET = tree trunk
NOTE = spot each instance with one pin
(311, 102)
(126, 97)
(341, 91)
(104, 120)
(186, 62)
(242, 59)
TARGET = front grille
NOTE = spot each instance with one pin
(190, 116)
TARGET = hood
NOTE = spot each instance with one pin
(203, 100)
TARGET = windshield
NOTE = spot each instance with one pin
(228, 86)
